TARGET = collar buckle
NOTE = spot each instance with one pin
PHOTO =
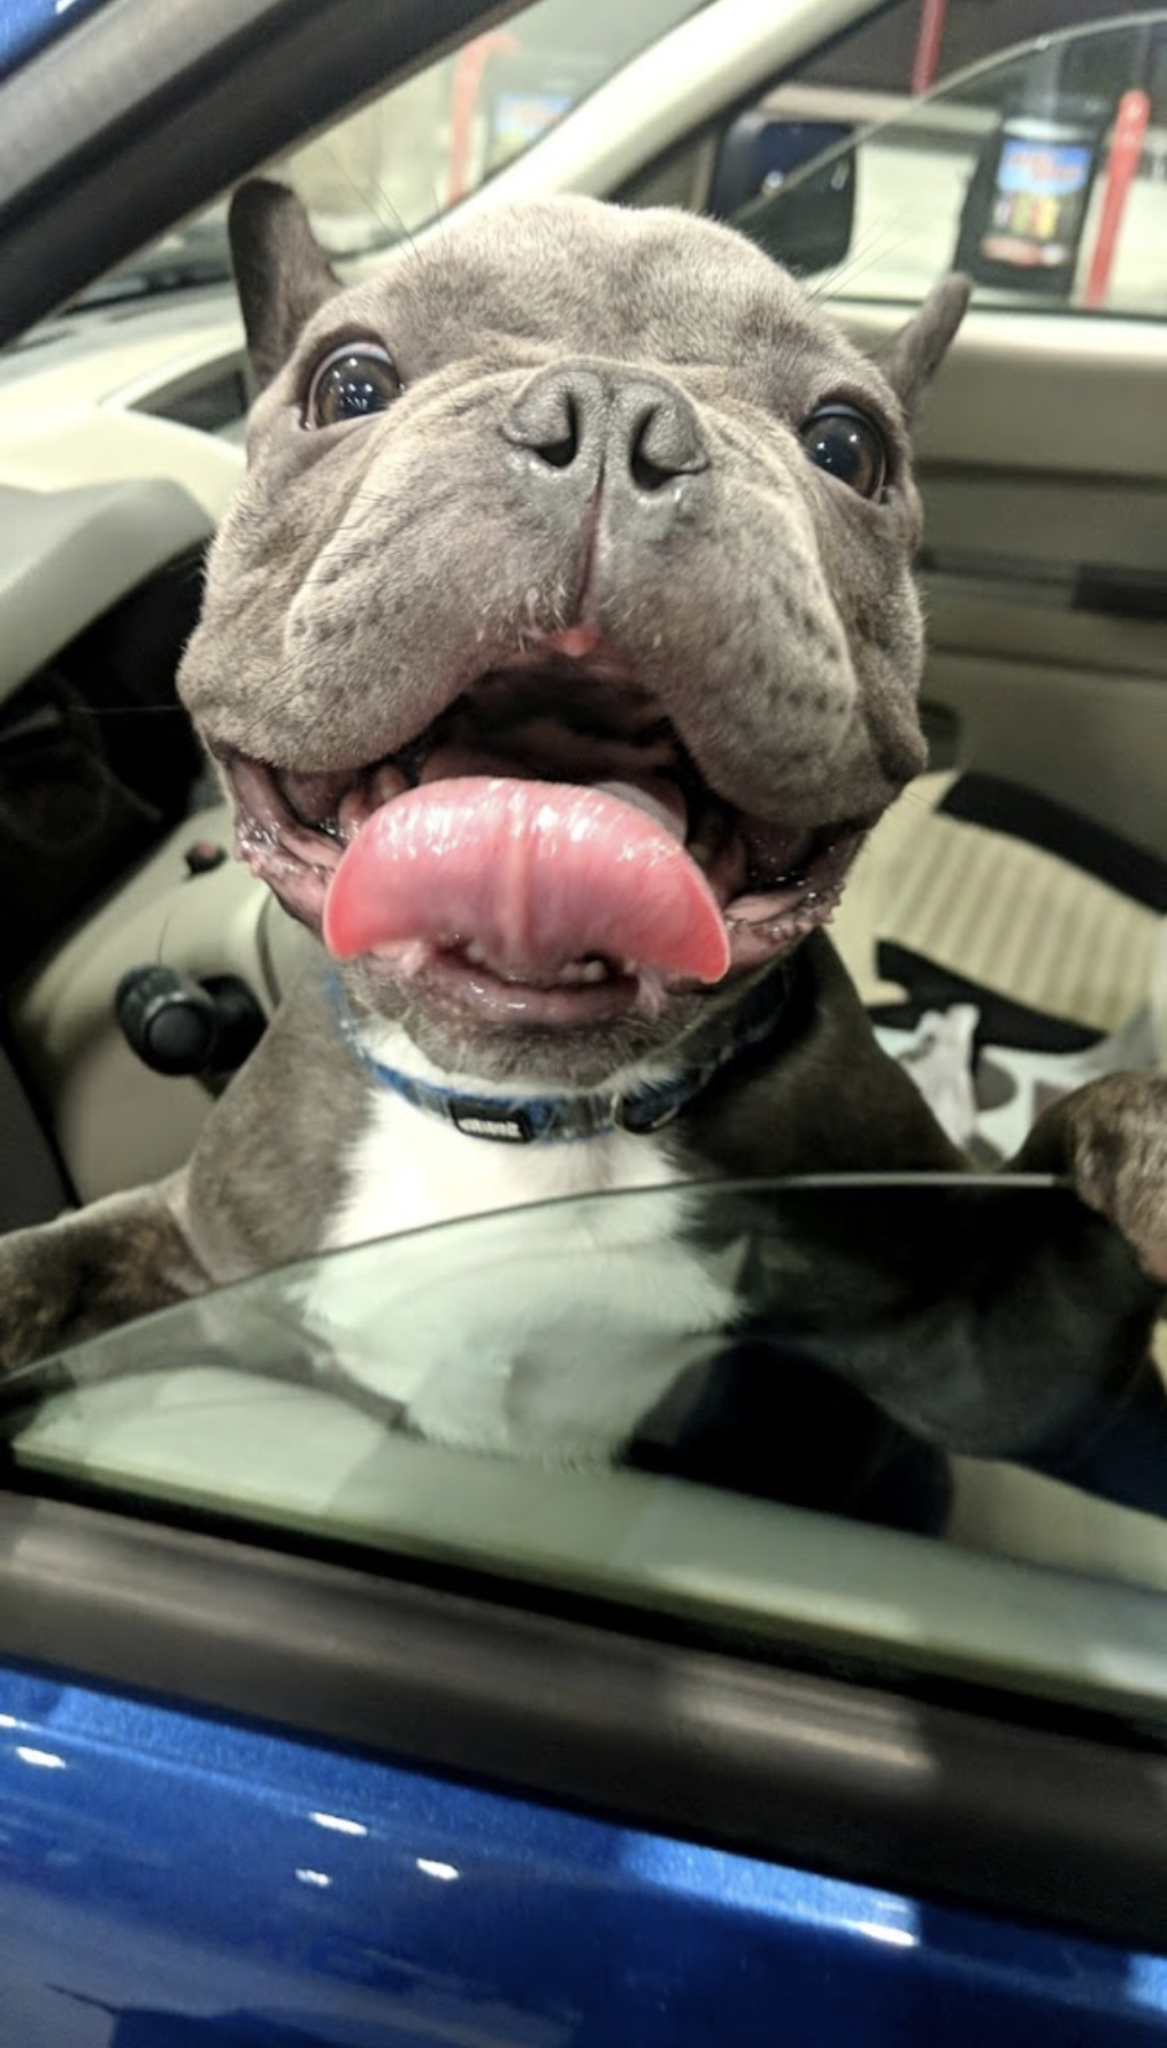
(506, 1124)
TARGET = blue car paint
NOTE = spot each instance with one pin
(26, 24)
(171, 1881)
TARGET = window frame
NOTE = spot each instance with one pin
(148, 109)
(972, 1804)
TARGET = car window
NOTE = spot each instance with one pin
(317, 1399)
(384, 171)
(418, 150)
(1041, 174)
(396, 164)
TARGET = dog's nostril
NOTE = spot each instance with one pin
(648, 475)
(549, 421)
(561, 452)
(665, 443)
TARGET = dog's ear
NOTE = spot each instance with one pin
(918, 349)
(281, 272)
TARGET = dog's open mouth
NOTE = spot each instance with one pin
(548, 845)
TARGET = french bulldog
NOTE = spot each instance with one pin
(559, 651)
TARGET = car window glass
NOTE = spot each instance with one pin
(459, 1393)
(1041, 174)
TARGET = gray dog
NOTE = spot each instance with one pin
(558, 653)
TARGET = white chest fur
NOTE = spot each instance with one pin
(408, 1169)
(548, 1338)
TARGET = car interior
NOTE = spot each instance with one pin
(1005, 925)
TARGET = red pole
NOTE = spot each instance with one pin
(1130, 127)
(928, 43)
(468, 70)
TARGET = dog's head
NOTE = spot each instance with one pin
(561, 645)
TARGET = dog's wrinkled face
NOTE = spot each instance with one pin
(561, 645)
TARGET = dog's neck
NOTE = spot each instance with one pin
(638, 1100)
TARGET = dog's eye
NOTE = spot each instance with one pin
(352, 383)
(849, 446)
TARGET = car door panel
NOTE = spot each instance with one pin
(1043, 469)
(323, 1794)
(168, 1882)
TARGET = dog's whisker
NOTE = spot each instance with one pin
(134, 711)
(916, 798)
(859, 250)
(373, 197)
(869, 250)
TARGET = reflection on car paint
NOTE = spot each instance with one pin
(171, 1882)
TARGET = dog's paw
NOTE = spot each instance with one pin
(1112, 1138)
(84, 1273)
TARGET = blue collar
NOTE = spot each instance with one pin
(542, 1119)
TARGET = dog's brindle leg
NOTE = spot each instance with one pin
(1110, 1139)
(118, 1259)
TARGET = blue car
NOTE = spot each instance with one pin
(311, 1732)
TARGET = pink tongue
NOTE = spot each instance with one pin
(536, 874)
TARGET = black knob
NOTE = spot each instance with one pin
(180, 1026)
(168, 1019)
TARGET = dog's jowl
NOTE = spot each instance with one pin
(559, 651)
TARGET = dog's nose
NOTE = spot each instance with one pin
(630, 428)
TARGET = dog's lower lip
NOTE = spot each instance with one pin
(468, 992)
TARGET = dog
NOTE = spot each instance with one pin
(559, 652)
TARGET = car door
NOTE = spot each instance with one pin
(314, 1732)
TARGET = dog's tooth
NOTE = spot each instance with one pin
(573, 974)
(578, 973)
(386, 781)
